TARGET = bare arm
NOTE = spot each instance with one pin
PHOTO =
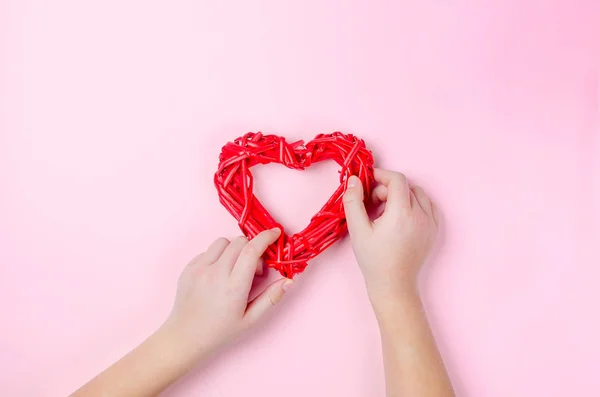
(413, 365)
(145, 371)
(390, 251)
(211, 309)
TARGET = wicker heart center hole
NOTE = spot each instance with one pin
(293, 197)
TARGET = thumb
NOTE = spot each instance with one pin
(266, 300)
(356, 214)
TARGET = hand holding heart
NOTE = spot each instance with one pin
(212, 302)
(391, 249)
(212, 305)
(212, 308)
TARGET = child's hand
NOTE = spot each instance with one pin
(211, 307)
(391, 249)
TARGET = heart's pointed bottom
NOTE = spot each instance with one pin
(288, 270)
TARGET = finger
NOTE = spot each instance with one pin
(196, 262)
(423, 200)
(413, 199)
(435, 212)
(379, 195)
(216, 249)
(354, 207)
(398, 191)
(266, 300)
(249, 258)
(211, 255)
(231, 253)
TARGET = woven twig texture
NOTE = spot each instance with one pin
(234, 182)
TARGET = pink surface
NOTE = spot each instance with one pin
(112, 115)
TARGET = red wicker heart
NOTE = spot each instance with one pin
(234, 183)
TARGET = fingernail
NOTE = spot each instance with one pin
(353, 181)
(276, 230)
(286, 286)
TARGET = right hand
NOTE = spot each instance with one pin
(391, 249)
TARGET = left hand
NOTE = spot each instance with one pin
(211, 306)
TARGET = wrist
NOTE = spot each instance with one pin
(390, 290)
(180, 355)
(393, 308)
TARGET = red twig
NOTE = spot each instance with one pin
(234, 183)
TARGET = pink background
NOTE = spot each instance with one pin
(112, 115)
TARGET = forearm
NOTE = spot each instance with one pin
(144, 372)
(413, 365)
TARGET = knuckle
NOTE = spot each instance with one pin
(198, 259)
(420, 192)
(350, 197)
(399, 177)
(240, 240)
(250, 251)
(222, 240)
